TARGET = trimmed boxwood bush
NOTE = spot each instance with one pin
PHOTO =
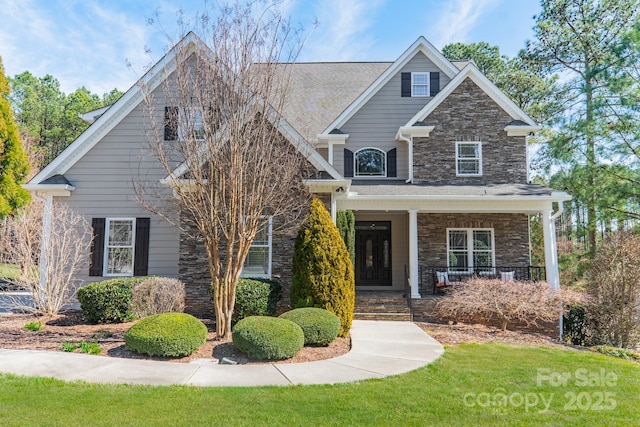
(320, 327)
(108, 301)
(322, 270)
(256, 297)
(167, 335)
(268, 338)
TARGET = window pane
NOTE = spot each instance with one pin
(458, 260)
(482, 240)
(469, 150)
(257, 261)
(482, 259)
(471, 167)
(419, 79)
(370, 162)
(120, 233)
(419, 91)
(120, 261)
(262, 236)
(457, 240)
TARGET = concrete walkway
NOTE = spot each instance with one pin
(378, 349)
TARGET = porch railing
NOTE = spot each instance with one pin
(429, 275)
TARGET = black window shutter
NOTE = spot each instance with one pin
(392, 170)
(406, 84)
(97, 247)
(348, 163)
(170, 123)
(434, 83)
(141, 261)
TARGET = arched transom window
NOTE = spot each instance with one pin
(370, 162)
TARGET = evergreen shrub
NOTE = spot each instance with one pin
(166, 335)
(108, 301)
(268, 338)
(320, 327)
(256, 297)
(322, 271)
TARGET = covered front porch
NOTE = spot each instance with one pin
(406, 233)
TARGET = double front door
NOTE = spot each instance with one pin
(373, 253)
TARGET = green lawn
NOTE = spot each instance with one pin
(9, 271)
(582, 389)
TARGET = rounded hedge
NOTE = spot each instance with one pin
(167, 335)
(108, 301)
(268, 338)
(320, 327)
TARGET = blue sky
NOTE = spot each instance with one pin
(88, 42)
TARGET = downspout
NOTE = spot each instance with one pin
(409, 142)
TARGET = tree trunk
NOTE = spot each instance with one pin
(591, 166)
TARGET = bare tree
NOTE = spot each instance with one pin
(222, 143)
(65, 254)
(613, 286)
(487, 300)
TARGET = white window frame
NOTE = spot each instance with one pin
(105, 263)
(355, 163)
(186, 116)
(269, 245)
(478, 159)
(425, 85)
(470, 267)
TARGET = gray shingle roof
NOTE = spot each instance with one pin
(320, 91)
(56, 179)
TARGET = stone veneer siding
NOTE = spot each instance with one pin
(469, 114)
(194, 268)
(511, 236)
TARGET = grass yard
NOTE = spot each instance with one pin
(472, 384)
(9, 271)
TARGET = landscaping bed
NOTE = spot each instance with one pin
(71, 328)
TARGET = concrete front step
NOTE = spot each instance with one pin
(401, 317)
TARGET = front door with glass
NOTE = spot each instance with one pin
(373, 253)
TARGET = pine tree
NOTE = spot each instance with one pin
(322, 270)
(14, 165)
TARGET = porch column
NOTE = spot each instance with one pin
(550, 249)
(46, 236)
(414, 280)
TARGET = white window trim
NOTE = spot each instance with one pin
(269, 245)
(427, 84)
(355, 164)
(105, 262)
(471, 267)
(479, 144)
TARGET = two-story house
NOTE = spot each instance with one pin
(429, 155)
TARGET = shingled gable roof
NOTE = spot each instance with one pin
(470, 71)
(420, 45)
(130, 100)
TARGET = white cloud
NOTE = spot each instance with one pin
(340, 34)
(457, 19)
(79, 43)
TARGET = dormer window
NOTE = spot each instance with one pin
(370, 162)
(419, 84)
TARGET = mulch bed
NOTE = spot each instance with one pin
(70, 327)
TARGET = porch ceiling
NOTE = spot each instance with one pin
(525, 198)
